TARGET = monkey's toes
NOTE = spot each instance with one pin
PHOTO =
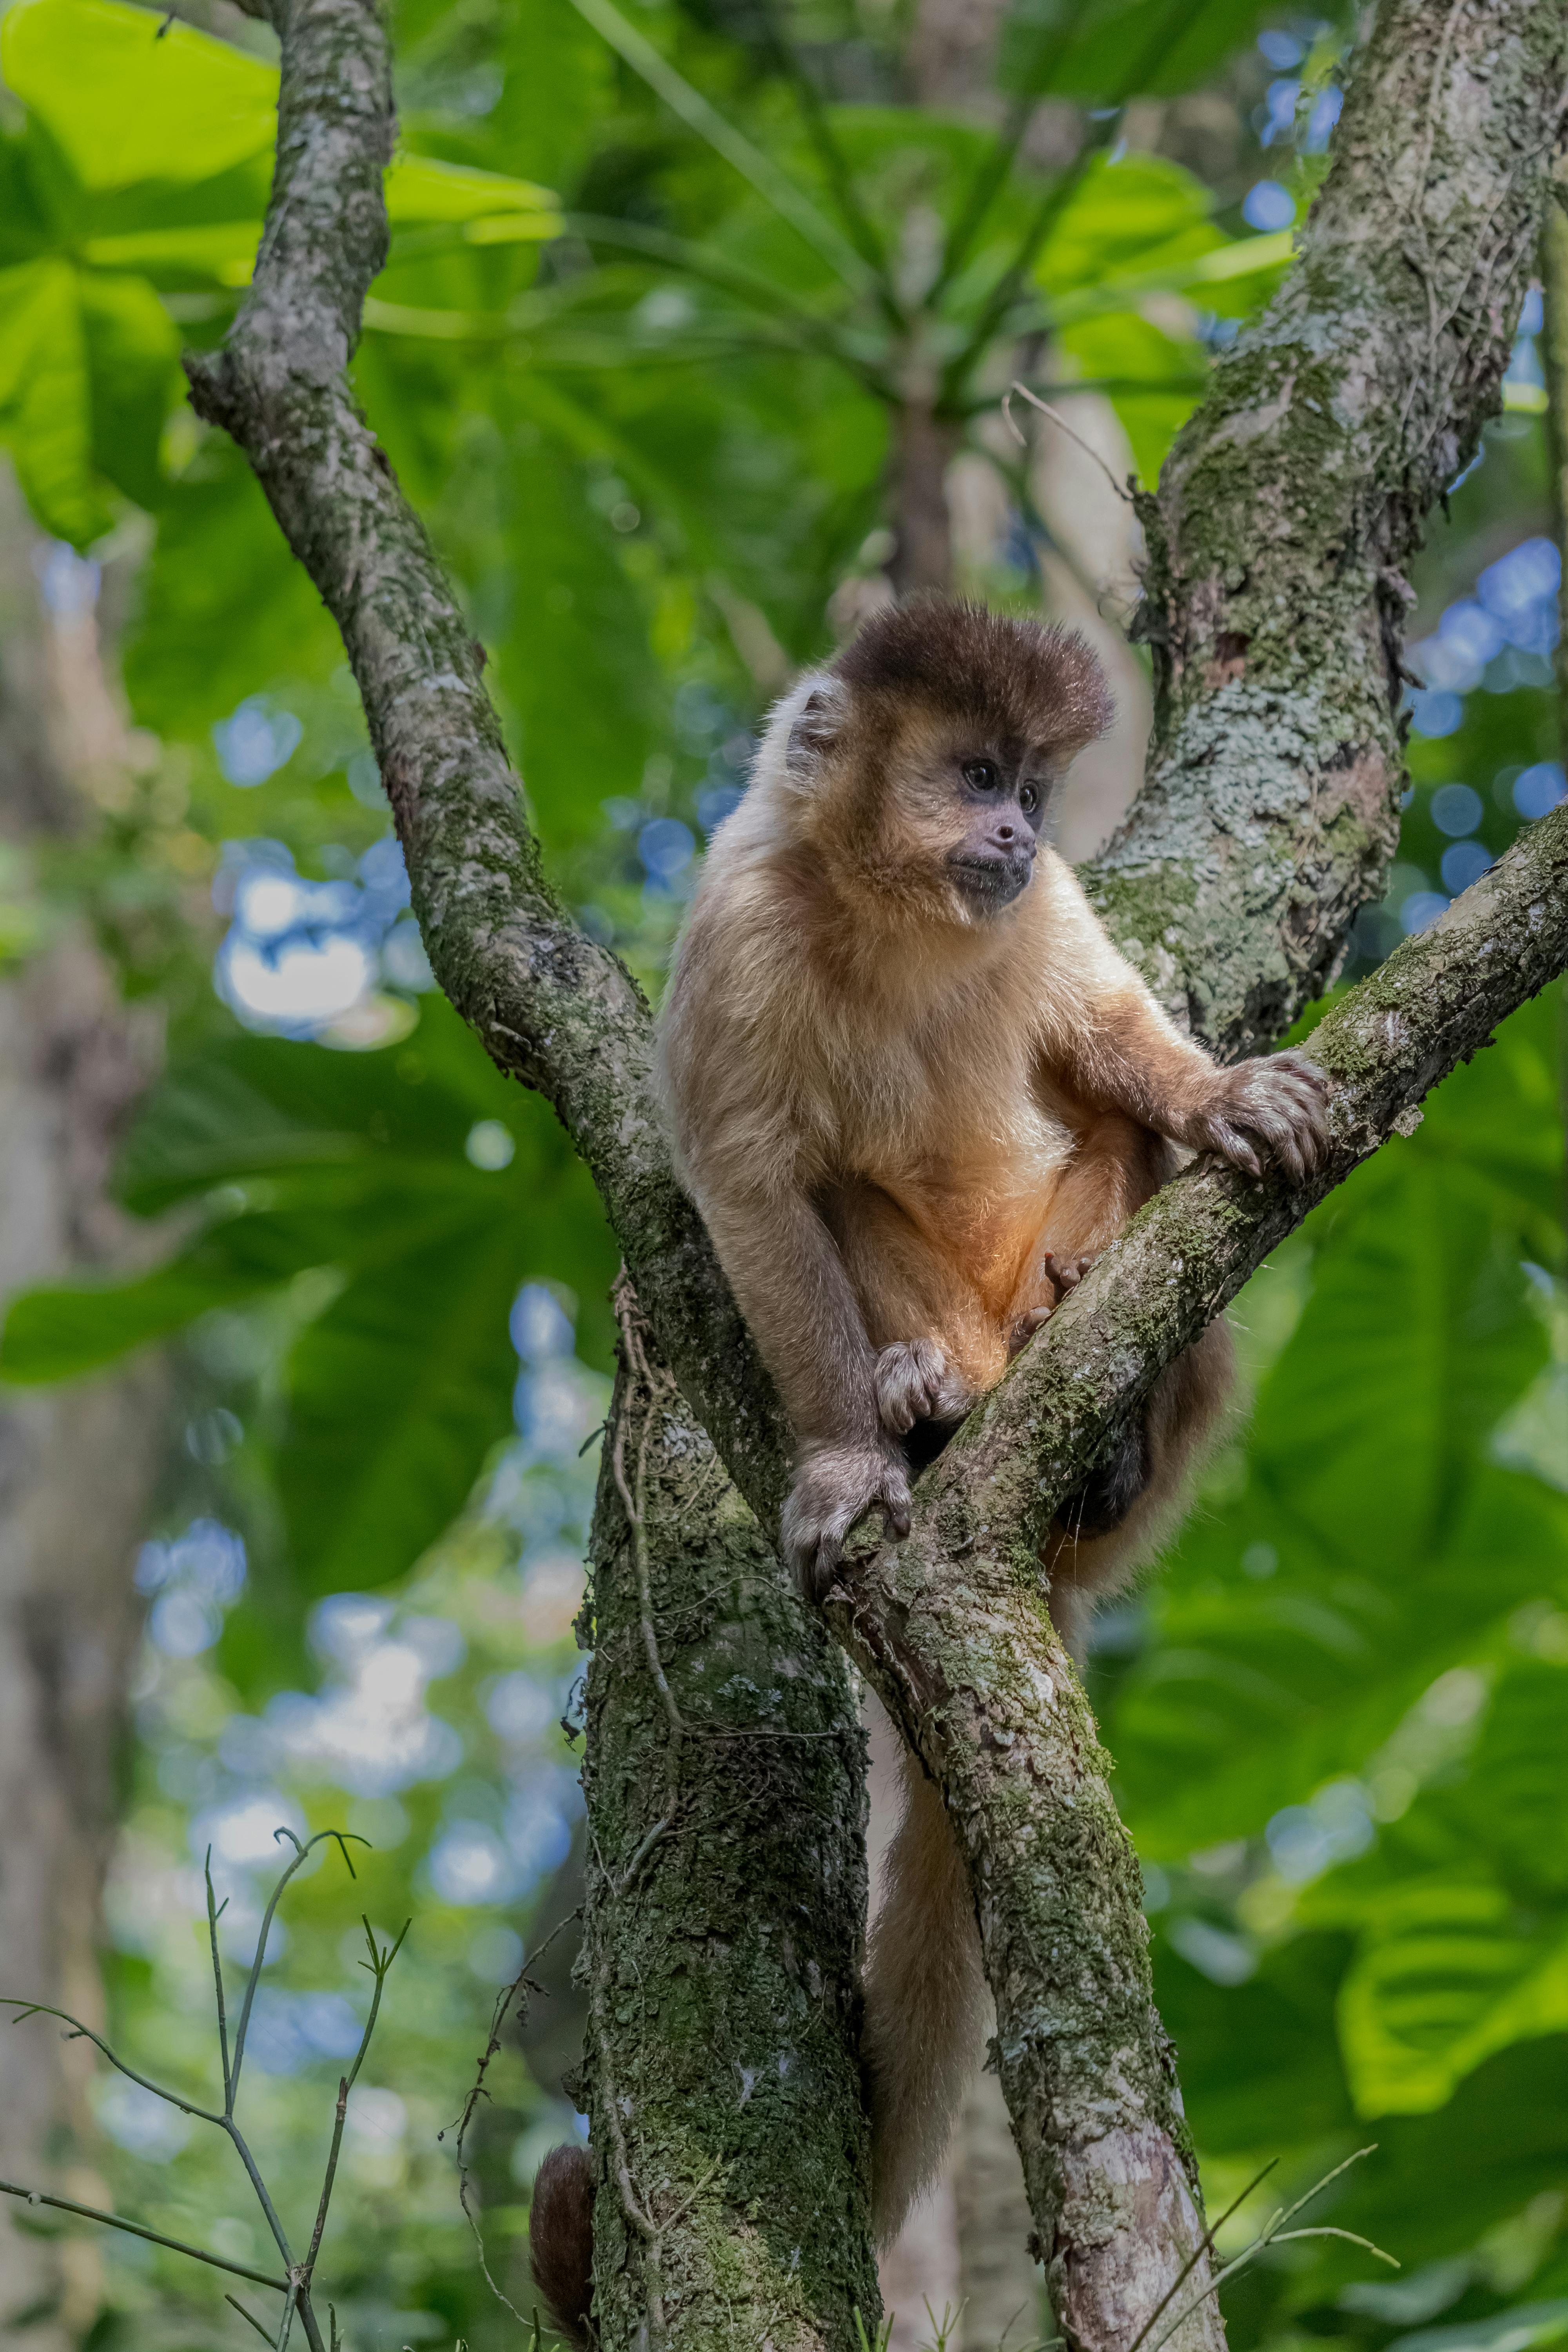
(915, 1382)
(1065, 1273)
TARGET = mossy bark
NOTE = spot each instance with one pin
(726, 1789)
(1291, 504)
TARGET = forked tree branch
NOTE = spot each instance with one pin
(1287, 510)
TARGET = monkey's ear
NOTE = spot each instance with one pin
(816, 727)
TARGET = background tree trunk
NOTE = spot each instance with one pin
(76, 1468)
(725, 1780)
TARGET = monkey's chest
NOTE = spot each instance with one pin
(975, 1189)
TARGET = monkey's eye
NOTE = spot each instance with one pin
(1028, 799)
(982, 774)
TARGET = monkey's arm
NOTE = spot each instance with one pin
(1111, 1048)
(791, 1285)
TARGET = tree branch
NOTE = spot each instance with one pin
(1276, 603)
(1293, 502)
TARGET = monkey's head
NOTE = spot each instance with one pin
(925, 760)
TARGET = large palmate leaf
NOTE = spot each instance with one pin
(302, 1160)
(395, 1394)
(1461, 1913)
(144, 164)
(1376, 1542)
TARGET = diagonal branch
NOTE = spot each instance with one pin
(1276, 602)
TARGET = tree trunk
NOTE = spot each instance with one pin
(76, 1471)
(725, 1779)
(922, 527)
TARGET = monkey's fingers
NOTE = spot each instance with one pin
(1217, 1134)
(1301, 1066)
(831, 1489)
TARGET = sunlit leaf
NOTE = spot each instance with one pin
(129, 98)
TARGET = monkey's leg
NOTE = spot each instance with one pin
(938, 1345)
(1185, 1413)
(1113, 1523)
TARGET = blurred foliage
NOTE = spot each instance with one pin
(644, 399)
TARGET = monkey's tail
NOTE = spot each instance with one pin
(561, 2239)
(927, 2007)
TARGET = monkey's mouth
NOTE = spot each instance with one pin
(990, 883)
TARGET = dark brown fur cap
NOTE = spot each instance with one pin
(1023, 681)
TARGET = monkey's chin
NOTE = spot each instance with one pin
(986, 885)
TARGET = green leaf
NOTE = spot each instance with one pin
(1519, 1778)
(1516, 2330)
(45, 410)
(1448, 1977)
(267, 1107)
(225, 608)
(133, 353)
(58, 1334)
(421, 188)
(129, 98)
(1376, 1543)
(1121, 48)
(1254, 2054)
(1416, 1338)
(1134, 216)
(396, 1394)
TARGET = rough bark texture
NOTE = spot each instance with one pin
(1290, 506)
(725, 1779)
(76, 1471)
(1277, 619)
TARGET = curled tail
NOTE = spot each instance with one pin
(927, 2009)
(561, 2239)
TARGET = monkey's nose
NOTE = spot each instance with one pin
(1006, 834)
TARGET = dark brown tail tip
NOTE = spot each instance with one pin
(560, 2239)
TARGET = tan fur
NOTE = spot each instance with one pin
(908, 1114)
(922, 1964)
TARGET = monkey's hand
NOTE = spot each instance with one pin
(834, 1487)
(915, 1382)
(1270, 1111)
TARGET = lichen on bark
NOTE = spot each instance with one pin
(725, 1779)
(1293, 502)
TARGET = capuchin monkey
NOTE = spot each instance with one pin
(915, 1091)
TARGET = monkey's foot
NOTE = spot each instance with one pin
(834, 1487)
(915, 1382)
(1272, 1111)
(1063, 1274)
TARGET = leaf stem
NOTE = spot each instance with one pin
(774, 187)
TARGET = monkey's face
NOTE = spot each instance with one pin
(999, 807)
(963, 809)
